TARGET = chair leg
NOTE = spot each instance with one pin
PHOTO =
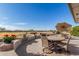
(47, 51)
(67, 51)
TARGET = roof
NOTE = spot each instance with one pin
(74, 8)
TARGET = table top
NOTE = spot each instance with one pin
(56, 38)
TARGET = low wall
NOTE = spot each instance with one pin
(16, 43)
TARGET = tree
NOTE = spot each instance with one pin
(63, 27)
(31, 30)
(75, 31)
(2, 29)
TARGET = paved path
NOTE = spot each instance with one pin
(8, 53)
(74, 46)
(30, 48)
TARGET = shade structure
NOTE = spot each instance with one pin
(74, 8)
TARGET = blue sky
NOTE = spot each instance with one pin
(39, 16)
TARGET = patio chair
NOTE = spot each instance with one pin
(45, 44)
(19, 36)
(65, 43)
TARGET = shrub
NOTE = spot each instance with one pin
(75, 31)
(8, 39)
(13, 37)
(57, 32)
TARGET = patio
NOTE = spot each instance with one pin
(34, 48)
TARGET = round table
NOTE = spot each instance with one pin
(55, 39)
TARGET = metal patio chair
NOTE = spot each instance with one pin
(45, 44)
(65, 43)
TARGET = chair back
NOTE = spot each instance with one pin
(67, 37)
(44, 41)
(20, 36)
(68, 40)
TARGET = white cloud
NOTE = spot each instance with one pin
(21, 23)
(11, 27)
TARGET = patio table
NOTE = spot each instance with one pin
(55, 39)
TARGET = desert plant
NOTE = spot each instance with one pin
(63, 27)
(75, 31)
(57, 32)
(8, 39)
(13, 37)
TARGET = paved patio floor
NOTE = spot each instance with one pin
(34, 48)
(8, 53)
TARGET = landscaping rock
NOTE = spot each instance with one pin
(1, 40)
(5, 46)
(16, 43)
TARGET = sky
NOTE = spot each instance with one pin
(37, 16)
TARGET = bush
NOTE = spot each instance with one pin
(13, 37)
(75, 31)
(57, 32)
(8, 39)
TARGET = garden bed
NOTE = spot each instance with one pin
(6, 42)
(6, 46)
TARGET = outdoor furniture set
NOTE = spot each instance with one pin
(55, 43)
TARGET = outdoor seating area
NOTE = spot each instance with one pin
(55, 43)
(44, 45)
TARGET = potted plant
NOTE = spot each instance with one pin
(7, 43)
